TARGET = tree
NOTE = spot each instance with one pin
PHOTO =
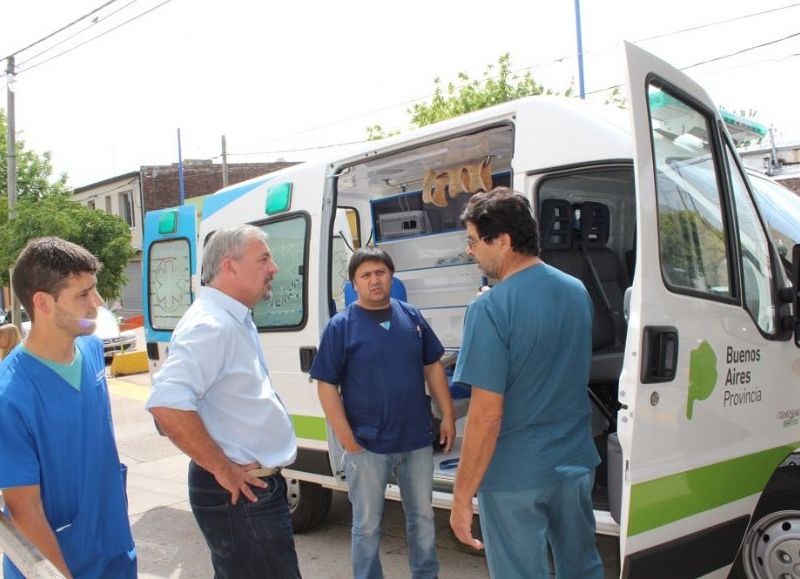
(34, 171)
(498, 86)
(105, 236)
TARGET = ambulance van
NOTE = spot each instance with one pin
(692, 266)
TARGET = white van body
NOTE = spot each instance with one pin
(695, 385)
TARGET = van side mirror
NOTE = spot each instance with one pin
(791, 295)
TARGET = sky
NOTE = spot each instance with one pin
(282, 79)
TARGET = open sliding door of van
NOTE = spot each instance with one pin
(170, 250)
(704, 381)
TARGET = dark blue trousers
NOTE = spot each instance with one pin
(247, 540)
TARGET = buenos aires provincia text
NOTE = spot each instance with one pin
(739, 388)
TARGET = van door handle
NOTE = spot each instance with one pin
(660, 348)
(307, 355)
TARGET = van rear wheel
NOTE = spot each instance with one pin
(771, 547)
(309, 504)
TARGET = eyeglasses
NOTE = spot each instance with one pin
(471, 242)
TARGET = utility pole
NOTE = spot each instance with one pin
(11, 166)
(181, 188)
(580, 48)
(774, 164)
(224, 163)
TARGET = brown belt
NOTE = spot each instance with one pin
(262, 472)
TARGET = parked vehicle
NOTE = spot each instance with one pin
(696, 362)
(107, 329)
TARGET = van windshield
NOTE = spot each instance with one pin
(780, 207)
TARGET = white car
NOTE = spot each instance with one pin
(107, 330)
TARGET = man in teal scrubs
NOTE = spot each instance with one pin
(59, 469)
(527, 449)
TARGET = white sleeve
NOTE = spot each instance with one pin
(194, 362)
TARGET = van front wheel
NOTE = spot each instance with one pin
(771, 546)
(309, 504)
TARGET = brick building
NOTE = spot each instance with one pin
(133, 194)
(160, 183)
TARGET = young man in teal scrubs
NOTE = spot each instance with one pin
(527, 449)
(59, 469)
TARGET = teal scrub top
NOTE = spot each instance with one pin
(62, 439)
(530, 339)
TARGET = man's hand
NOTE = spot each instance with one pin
(447, 433)
(461, 523)
(235, 479)
(353, 447)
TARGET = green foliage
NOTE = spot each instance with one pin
(499, 85)
(105, 236)
(692, 249)
(33, 170)
(376, 133)
(617, 98)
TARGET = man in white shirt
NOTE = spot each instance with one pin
(213, 398)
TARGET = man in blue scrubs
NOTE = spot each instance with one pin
(381, 352)
(527, 449)
(59, 469)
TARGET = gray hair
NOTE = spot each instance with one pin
(227, 242)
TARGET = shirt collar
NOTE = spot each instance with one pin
(234, 307)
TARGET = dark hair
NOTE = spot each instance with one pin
(368, 254)
(45, 265)
(502, 210)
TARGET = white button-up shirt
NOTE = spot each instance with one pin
(215, 367)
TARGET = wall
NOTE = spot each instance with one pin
(160, 183)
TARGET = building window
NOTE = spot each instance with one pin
(90, 204)
(108, 204)
(126, 208)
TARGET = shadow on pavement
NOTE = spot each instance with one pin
(169, 544)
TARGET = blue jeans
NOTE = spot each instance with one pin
(246, 539)
(367, 475)
(518, 525)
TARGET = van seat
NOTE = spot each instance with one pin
(561, 239)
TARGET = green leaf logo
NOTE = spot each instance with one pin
(702, 375)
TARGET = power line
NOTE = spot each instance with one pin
(296, 150)
(94, 22)
(73, 23)
(715, 59)
(701, 26)
(738, 52)
(156, 7)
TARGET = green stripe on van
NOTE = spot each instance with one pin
(665, 500)
(311, 427)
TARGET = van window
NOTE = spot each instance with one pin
(692, 233)
(780, 208)
(169, 282)
(756, 261)
(288, 242)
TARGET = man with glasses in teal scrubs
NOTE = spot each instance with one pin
(527, 449)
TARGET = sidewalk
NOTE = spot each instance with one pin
(170, 544)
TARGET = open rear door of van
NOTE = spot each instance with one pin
(699, 393)
(170, 255)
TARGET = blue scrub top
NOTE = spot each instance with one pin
(530, 339)
(62, 439)
(381, 373)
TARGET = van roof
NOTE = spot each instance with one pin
(604, 131)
